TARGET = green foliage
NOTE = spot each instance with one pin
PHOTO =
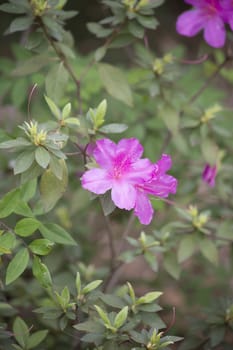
(65, 266)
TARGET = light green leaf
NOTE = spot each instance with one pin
(113, 128)
(115, 83)
(41, 246)
(16, 143)
(17, 265)
(23, 162)
(66, 111)
(31, 65)
(7, 243)
(26, 227)
(28, 190)
(121, 317)
(148, 298)
(41, 273)
(209, 150)
(53, 108)
(103, 316)
(12, 8)
(100, 53)
(91, 286)
(42, 157)
(8, 203)
(72, 121)
(56, 234)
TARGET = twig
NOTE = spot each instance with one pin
(64, 60)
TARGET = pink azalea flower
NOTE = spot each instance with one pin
(120, 169)
(160, 185)
(129, 178)
(209, 174)
(207, 15)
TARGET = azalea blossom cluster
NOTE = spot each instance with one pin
(130, 178)
(210, 16)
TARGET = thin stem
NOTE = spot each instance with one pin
(110, 238)
(207, 82)
(64, 60)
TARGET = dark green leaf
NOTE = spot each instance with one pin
(17, 265)
(56, 234)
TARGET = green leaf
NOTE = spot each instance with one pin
(148, 22)
(41, 273)
(91, 286)
(72, 121)
(31, 65)
(52, 188)
(36, 338)
(12, 8)
(19, 24)
(21, 332)
(121, 317)
(53, 108)
(42, 157)
(23, 162)
(34, 171)
(148, 298)
(17, 265)
(209, 151)
(26, 227)
(22, 208)
(107, 203)
(16, 143)
(187, 247)
(7, 243)
(28, 190)
(100, 53)
(98, 30)
(8, 203)
(56, 234)
(136, 29)
(115, 83)
(209, 250)
(113, 128)
(99, 114)
(41, 246)
(171, 265)
(56, 82)
(103, 315)
(66, 111)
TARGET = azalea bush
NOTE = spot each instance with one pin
(116, 178)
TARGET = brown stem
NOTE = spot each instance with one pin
(206, 83)
(64, 60)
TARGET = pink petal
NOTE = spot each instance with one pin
(190, 22)
(143, 208)
(214, 32)
(123, 195)
(162, 186)
(104, 152)
(142, 170)
(96, 180)
(131, 147)
(164, 164)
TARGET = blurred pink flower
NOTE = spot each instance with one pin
(208, 175)
(207, 15)
(129, 178)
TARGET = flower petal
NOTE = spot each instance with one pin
(190, 22)
(214, 32)
(123, 195)
(131, 147)
(143, 208)
(96, 180)
(141, 171)
(104, 152)
(164, 164)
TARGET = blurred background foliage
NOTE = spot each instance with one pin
(193, 276)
